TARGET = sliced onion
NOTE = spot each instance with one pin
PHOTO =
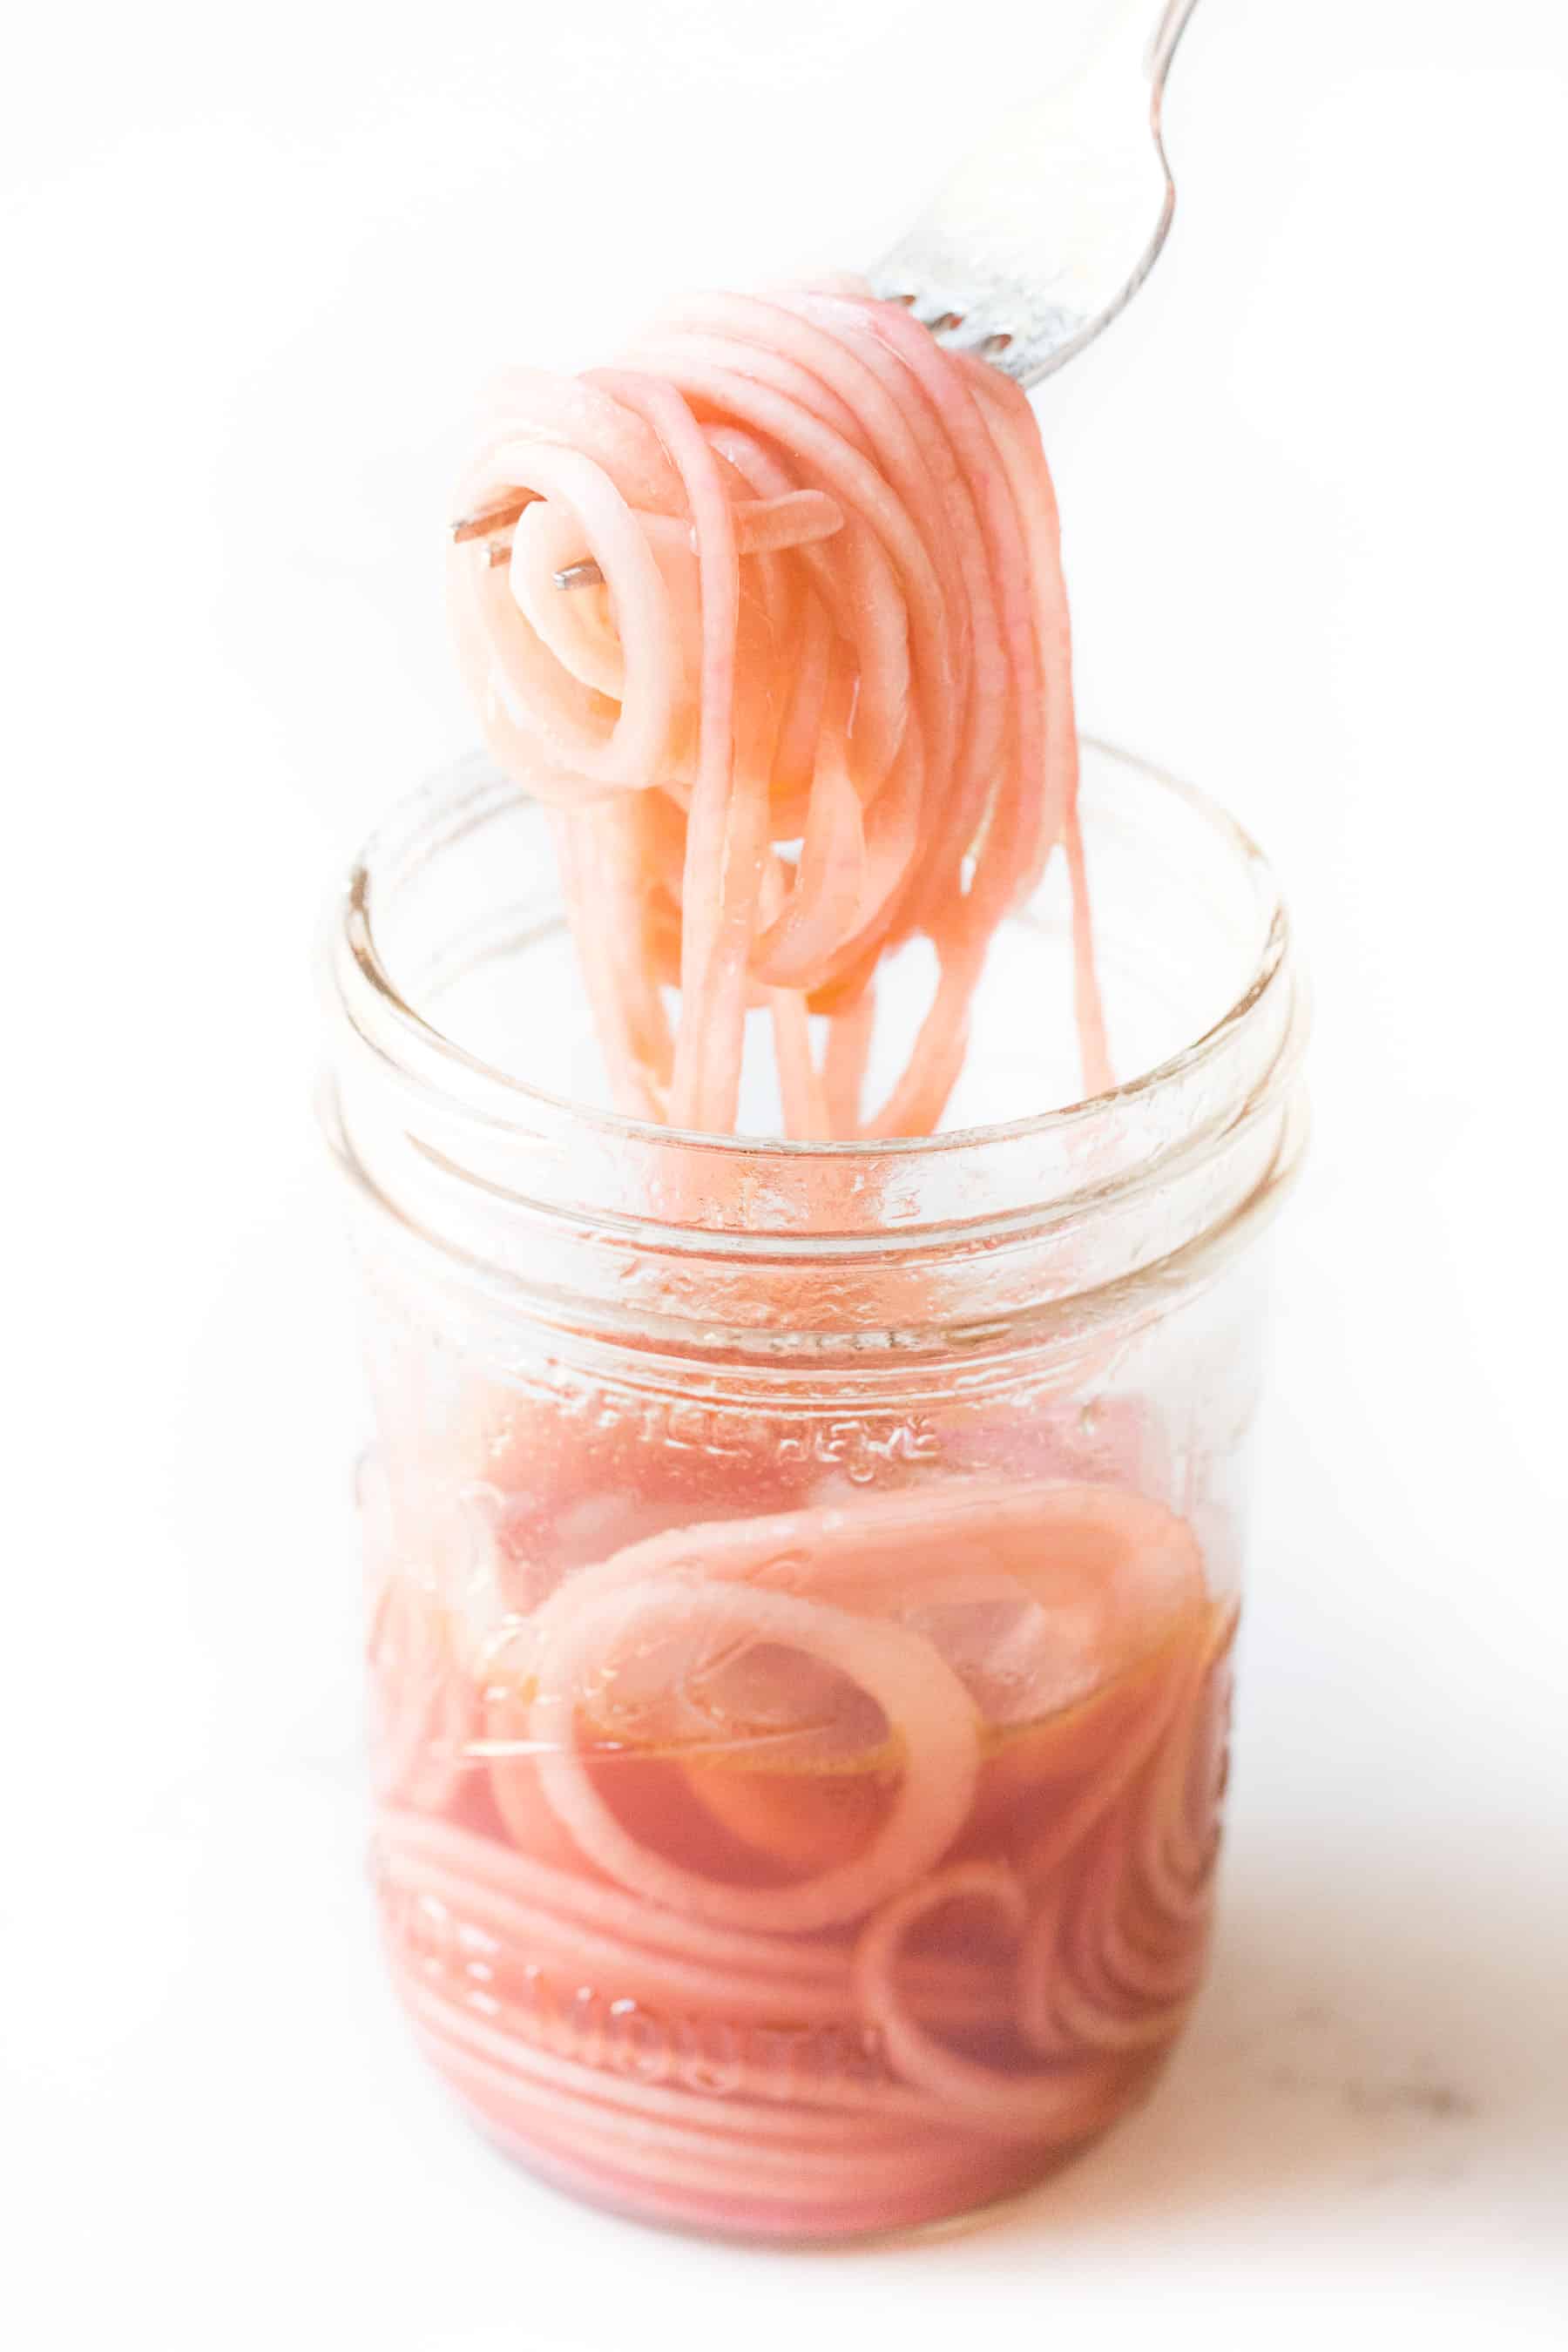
(925, 1706)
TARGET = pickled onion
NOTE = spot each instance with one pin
(831, 652)
(814, 706)
(1056, 2104)
(924, 1702)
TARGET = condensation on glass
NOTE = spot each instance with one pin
(802, 1580)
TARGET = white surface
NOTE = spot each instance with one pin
(1315, 495)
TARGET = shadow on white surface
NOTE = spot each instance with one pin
(1369, 2038)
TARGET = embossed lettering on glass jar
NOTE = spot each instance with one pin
(801, 1578)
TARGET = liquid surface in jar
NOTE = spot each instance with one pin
(775, 1855)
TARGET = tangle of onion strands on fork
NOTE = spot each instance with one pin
(818, 704)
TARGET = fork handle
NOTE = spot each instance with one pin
(1173, 24)
(1124, 44)
(1046, 232)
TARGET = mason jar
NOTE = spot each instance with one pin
(801, 1578)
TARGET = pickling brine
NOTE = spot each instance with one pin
(808, 1872)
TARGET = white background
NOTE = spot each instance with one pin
(1315, 495)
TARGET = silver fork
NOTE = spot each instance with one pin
(1046, 232)
(1037, 241)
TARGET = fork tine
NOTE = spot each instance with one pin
(491, 521)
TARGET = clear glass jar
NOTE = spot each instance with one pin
(801, 1578)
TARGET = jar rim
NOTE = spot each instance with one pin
(478, 1088)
